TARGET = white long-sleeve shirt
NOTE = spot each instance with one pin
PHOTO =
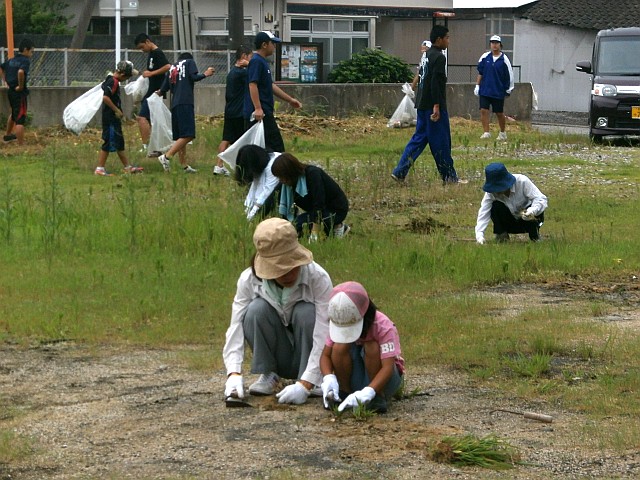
(313, 287)
(524, 194)
(262, 186)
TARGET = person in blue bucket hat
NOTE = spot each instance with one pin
(512, 202)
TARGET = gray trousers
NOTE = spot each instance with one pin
(276, 348)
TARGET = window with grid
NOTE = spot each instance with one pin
(503, 25)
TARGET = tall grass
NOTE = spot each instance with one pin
(152, 259)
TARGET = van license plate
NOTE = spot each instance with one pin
(635, 112)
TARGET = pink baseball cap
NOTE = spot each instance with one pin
(347, 306)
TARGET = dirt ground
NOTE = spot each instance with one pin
(105, 412)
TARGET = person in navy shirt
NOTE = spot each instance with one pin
(180, 80)
(16, 73)
(112, 137)
(494, 83)
(235, 91)
(258, 102)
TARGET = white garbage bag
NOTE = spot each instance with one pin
(138, 89)
(161, 137)
(253, 136)
(406, 114)
(79, 113)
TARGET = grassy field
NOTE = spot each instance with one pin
(152, 260)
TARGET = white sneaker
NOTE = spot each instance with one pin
(164, 161)
(485, 135)
(265, 385)
(189, 169)
(502, 136)
(341, 231)
(220, 171)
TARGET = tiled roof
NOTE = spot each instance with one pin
(589, 14)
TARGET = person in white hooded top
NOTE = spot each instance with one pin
(512, 202)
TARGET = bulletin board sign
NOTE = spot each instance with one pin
(299, 62)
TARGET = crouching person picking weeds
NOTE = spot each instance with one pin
(280, 310)
(361, 362)
(512, 202)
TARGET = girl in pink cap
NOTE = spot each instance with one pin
(361, 362)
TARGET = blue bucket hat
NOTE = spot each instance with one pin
(498, 178)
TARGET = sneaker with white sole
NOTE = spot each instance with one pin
(220, 171)
(502, 136)
(341, 231)
(133, 169)
(164, 161)
(265, 385)
(485, 135)
(189, 169)
(102, 172)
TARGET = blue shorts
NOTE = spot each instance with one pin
(112, 138)
(497, 104)
(144, 110)
(360, 377)
(183, 121)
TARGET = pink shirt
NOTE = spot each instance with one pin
(384, 333)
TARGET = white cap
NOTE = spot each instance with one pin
(345, 325)
(495, 38)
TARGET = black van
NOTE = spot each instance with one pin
(615, 83)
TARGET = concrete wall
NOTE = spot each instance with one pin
(552, 71)
(46, 104)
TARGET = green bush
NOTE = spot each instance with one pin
(371, 66)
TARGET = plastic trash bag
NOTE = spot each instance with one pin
(406, 114)
(79, 113)
(137, 89)
(253, 136)
(161, 137)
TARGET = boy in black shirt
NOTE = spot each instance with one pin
(16, 72)
(157, 66)
(112, 137)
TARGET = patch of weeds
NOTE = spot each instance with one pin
(470, 450)
(13, 447)
(544, 345)
(533, 366)
(361, 413)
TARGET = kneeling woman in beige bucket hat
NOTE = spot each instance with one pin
(280, 309)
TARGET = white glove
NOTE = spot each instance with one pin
(330, 389)
(234, 384)
(476, 91)
(528, 215)
(480, 240)
(296, 394)
(313, 238)
(361, 396)
(252, 212)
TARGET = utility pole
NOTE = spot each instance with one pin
(9, 17)
(236, 23)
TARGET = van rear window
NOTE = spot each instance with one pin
(619, 56)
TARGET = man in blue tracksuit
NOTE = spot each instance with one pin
(432, 125)
(494, 83)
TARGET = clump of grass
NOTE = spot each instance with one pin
(13, 447)
(470, 450)
(532, 366)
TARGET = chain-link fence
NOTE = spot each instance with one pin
(52, 67)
